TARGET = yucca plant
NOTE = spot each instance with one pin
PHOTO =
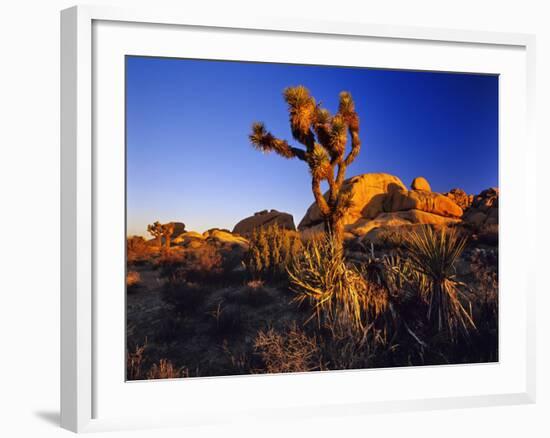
(433, 255)
(342, 298)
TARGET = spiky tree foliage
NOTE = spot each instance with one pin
(157, 231)
(324, 137)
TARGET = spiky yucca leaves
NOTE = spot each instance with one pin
(325, 137)
(433, 254)
(343, 300)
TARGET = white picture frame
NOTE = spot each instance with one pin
(84, 381)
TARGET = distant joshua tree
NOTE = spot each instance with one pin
(324, 137)
(159, 231)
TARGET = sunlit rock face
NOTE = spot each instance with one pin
(263, 219)
(381, 200)
(421, 183)
(484, 208)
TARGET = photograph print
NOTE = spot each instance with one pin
(285, 218)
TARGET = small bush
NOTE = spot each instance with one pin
(133, 279)
(272, 249)
(204, 264)
(288, 352)
(488, 235)
(229, 319)
(390, 237)
(137, 250)
(253, 294)
(186, 297)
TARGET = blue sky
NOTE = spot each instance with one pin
(188, 121)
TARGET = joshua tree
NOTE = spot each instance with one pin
(159, 231)
(156, 230)
(324, 137)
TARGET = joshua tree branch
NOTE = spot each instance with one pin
(319, 198)
(355, 146)
(267, 142)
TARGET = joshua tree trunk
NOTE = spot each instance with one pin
(168, 230)
(159, 240)
(325, 138)
(336, 231)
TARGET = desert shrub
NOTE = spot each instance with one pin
(272, 249)
(133, 279)
(485, 275)
(390, 237)
(204, 264)
(137, 250)
(288, 352)
(228, 319)
(253, 294)
(488, 235)
(432, 255)
(239, 361)
(166, 370)
(186, 297)
(342, 298)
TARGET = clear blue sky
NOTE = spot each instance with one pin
(189, 158)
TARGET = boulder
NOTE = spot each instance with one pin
(179, 228)
(263, 219)
(225, 238)
(421, 183)
(484, 208)
(428, 202)
(189, 236)
(368, 192)
(460, 197)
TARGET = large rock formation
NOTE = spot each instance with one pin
(368, 192)
(262, 219)
(484, 208)
(179, 228)
(381, 200)
(430, 202)
(460, 197)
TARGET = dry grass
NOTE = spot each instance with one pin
(166, 370)
(134, 362)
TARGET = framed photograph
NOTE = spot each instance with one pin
(271, 218)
